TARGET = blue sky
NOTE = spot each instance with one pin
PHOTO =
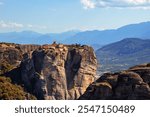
(47, 16)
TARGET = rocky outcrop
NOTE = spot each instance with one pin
(68, 72)
(58, 71)
(49, 71)
(12, 53)
(130, 84)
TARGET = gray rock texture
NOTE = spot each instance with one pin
(58, 71)
(130, 84)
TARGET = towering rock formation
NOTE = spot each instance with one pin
(67, 72)
(130, 84)
(58, 71)
(50, 71)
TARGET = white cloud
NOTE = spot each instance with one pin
(36, 26)
(10, 25)
(14, 25)
(30, 26)
(41, 27)
(143, 4)
(88, 4)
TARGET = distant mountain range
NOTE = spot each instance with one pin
(141, 30)
(23, 37)
(123, 54)
(94, 38)
(30, 37)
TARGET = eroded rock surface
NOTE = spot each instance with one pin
(130, 84)
(12, 53)
(58, 71)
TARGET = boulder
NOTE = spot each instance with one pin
(130, 84)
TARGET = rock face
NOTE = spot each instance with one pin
(68, 72)
(50, 71)
(130, 84)
(58, 71)
(12, 53)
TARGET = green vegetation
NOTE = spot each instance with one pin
(9, 91)
(5, 67)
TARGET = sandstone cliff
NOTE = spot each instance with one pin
(130, 84)
(59, 71)
(12, 53)
(67, 72)
(51, 71)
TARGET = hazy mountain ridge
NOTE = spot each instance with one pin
(123, 54)
(24, 37)
(31, 37)
(141, 30)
